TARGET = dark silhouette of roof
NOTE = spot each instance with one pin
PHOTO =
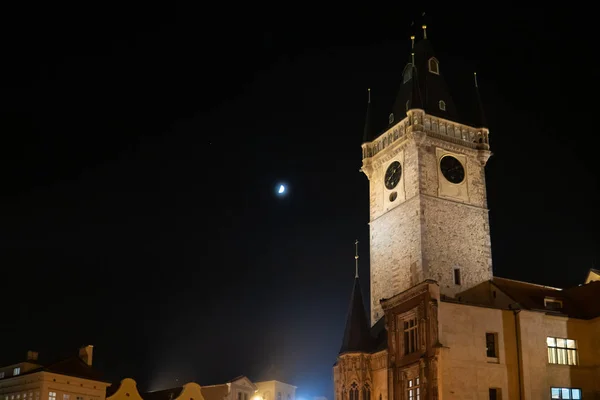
(423, 87)
(75, 366)
(578, 301)
(215, 392)
(165, 394)
(357, 335)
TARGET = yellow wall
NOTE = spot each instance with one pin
(465, 371)
(538, 375)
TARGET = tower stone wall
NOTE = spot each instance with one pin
(427, 227)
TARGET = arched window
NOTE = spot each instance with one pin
(391, 118)
(442, 105)
(353, 392)
(366, 392)
(407, 73)
(434, 66)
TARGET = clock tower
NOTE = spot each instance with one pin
(428, 206)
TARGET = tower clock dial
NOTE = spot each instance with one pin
(452, 169)
(392, 175)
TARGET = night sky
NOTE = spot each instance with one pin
(141, 149)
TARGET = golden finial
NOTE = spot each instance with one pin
(412, 55)
(369, 93)
(412, 40)
(424, 31)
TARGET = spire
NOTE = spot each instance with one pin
(422, 85)
(357, 335)
(481, 117)
(356, 258)
(367, 130)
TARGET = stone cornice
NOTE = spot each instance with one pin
(408, 294)
(417, 120)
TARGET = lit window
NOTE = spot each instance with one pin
(565, 393)
(391, 118)
(410, 335)
(457, 276)
(413, 389)
(1, 375)
(434, 66)
(353, 391)
(495, 394)
(407, 73)
(51, 395)
(442, 105)
(491, 345)
(17, 371)
(562, 351)
(66, 397)
(552, 304)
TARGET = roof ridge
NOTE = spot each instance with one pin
(527, 283)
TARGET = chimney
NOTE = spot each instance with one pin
(32, 355)
(86, 353)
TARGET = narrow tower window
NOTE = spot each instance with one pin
(434, 66)
(391, 118)
(457, 276)
(407, 105)
(442, 105)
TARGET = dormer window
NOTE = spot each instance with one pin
(407, 73)
(434, 66)
(391, 118)
(442, 105)
(552, 304)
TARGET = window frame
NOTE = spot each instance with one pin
(560, 392)
(16, 371)
(495, 357)
(406, 332)
(558, 353)
(436, 63)
(413, 391)
(442, 105)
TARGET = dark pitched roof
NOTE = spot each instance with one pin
(357, 336)
(165, 394)
(214, 392)
(76, 367)
(422, 88)
(379, 334)
(578, 301)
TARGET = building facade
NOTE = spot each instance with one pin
(441, 325)
(70, 379)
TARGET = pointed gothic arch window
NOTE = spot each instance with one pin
(434, 66)
(353, 391)
(407, 73)
(442, 105)
(366, 392)
(391, 118)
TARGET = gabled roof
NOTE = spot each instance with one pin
(357, 335)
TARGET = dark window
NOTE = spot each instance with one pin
(494, 395)
(410, 336)
(457, 276)
(366, 392)
(490, 344)
(354, 391)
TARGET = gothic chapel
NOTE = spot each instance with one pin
(441, 325)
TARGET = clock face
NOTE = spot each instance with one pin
(392, 175)
(452, 169)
